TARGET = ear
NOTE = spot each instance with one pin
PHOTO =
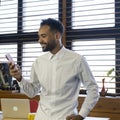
(57, 35)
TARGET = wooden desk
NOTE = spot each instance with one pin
(106, 107)
(87, 118)
(96, 118)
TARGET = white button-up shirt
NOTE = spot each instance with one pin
(59, 78)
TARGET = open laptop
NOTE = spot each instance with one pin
(15, 109)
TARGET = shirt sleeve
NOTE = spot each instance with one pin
(91, 86)
(31, 87)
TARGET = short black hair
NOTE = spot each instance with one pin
(54, 25)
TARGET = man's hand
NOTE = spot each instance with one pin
(74, 117)
(16, 73)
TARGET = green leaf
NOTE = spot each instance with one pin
(110, 72)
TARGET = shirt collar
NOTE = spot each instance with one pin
(58, 55)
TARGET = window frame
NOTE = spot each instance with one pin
(109, 32)
(64, 13)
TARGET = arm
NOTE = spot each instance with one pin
(89, 82)
(31, 88)
(91, 87)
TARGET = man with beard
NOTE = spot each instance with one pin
(58, 74)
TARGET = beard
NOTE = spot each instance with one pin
(48, 46)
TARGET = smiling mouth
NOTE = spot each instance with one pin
(43, 45)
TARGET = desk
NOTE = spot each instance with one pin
(87, 118)
(96, 118)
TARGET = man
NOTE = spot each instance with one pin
(58, 74)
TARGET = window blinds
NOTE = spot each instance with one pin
(35, 11)
(93, 14)
(8, 16)
(100, 55)
(30, 52)
(8, 48)
(91, 29)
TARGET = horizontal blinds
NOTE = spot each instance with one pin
(8, 16)
(31, 51)
(100, 55)
(5, 78)
(92, 30)
(19, 24)
(8, 48)
(93, 14)
(37, 10)
(33, 13)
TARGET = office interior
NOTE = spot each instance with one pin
(92, 28)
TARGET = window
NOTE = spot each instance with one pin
(35, 11)
(8, 16)
(93, 14)
(8, 48)
(30, 52)
(100, 55)
(90, 29)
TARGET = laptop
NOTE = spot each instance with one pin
(15, 109)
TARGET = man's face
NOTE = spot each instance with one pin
(47, 38)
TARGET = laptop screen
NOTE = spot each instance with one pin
(15, 108)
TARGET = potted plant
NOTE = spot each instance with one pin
(103, 91)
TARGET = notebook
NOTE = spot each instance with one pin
(15, 109)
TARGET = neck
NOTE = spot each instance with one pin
(56, 49)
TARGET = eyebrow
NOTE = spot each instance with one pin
(41, 34)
